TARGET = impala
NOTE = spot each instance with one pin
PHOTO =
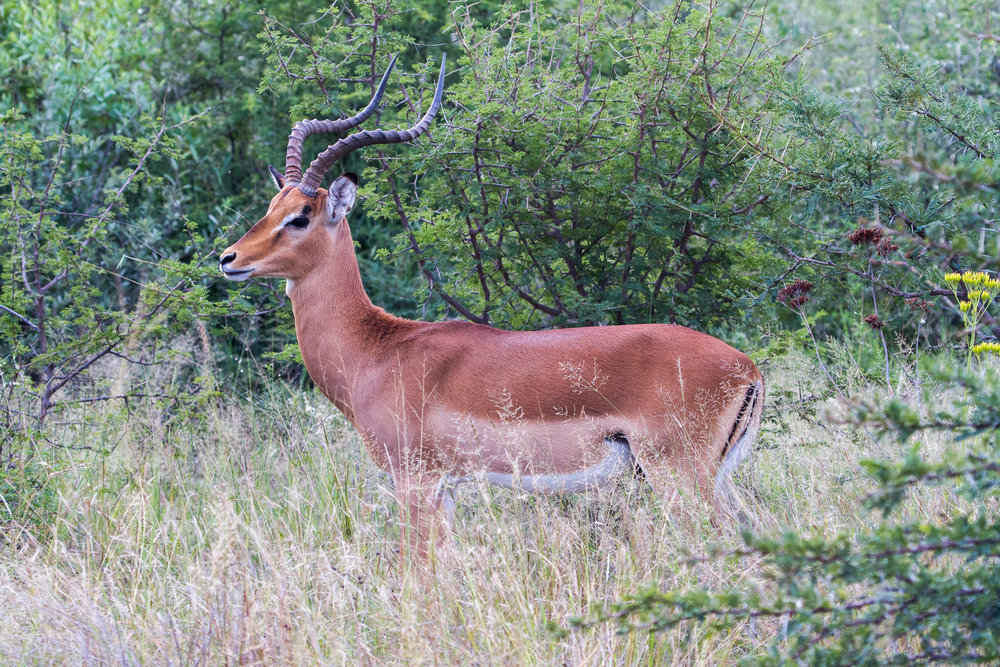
(440, 403)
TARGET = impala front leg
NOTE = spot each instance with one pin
(426, 511)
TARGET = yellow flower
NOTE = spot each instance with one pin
(986, 347)
(964, 306)
(992, 285)
(978, 283)
(974, 278)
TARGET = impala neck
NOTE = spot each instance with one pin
(338, 328)
(332, 291)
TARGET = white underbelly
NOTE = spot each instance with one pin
(616, 462)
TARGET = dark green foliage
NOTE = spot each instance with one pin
(584, 174)
(87, 271)
(579, 173)
(127, 153)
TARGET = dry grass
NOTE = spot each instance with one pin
(261, 533)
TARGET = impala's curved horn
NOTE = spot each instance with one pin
(317, 170)
(303, 128)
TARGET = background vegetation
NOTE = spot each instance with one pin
(816, 185)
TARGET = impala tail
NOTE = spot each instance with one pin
(745, 428)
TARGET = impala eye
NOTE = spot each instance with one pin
(299, 222)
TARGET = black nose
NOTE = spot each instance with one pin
(226, 259)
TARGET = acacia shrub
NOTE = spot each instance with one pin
(583, 176)
(579, 172)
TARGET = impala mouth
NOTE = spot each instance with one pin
(236, 274)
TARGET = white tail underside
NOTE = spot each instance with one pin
(725, 491)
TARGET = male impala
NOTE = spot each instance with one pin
(438, 403)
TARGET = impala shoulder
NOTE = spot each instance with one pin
(383, 329)
(460, 331)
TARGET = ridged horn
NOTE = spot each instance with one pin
(317, 170)
(303, 128)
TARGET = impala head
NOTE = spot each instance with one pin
(289, 240)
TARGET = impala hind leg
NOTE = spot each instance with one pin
(679, 480)
(692, 472)
(426, 512)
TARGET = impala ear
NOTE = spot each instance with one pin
(341, 198)
(279, 179)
